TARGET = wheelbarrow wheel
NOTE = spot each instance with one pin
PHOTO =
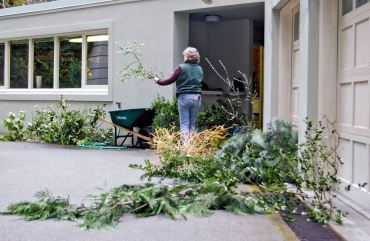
(145, 131)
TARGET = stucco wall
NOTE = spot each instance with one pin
(152, 22)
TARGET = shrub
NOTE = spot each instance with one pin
(43, 127)
(62, 125)
(226, 113)
(66, 126)
(58, 124)
(210, 117)
(166, 113)
(15, 126)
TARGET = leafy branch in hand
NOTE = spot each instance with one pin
(135, 68)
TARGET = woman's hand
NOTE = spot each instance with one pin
(156, 79)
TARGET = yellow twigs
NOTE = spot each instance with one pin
(204, 143)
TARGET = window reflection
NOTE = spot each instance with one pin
(346, 6)
(296, 26)
(19, 64)
(2, 63)
(97, 60)
(359, 3)
(43, 63)
(70, 62)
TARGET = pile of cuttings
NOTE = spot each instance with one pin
(202, 144)
(142, 201)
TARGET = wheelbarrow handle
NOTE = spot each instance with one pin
(123, 128)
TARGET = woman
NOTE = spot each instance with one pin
(188, 77)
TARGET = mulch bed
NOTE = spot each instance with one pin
(310, 231)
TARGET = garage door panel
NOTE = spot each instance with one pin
(295, 68)
(360, 163)
(362, 43)
(345, 104)
(353, 101)
(345, 152)
(346, 48)
(361, 106)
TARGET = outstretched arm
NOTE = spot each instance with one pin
(172, 78)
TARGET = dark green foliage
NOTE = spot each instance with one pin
(142, 201)
(225, 113)
(211, 116)
(166, 113)
(47, 206)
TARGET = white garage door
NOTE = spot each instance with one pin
(353, 98)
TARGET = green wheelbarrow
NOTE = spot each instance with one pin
(126, 120)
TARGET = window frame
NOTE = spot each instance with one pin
(86, 92)
(5, 66)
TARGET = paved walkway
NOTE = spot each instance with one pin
(26, 168)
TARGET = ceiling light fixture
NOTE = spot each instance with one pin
(212, 19)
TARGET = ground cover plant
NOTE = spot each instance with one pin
(58, 124)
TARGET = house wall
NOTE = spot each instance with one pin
(152, 22)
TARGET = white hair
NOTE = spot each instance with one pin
(192, 55)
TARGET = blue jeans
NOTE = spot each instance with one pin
(188, 105)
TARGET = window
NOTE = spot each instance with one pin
(19, 64)
(43, 64)
(359, 3)
(2, 64)
(70, 62)
(73, 61)
(296, 26)
(97, 60)
(347, 6)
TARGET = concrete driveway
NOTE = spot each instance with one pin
(26, 168)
